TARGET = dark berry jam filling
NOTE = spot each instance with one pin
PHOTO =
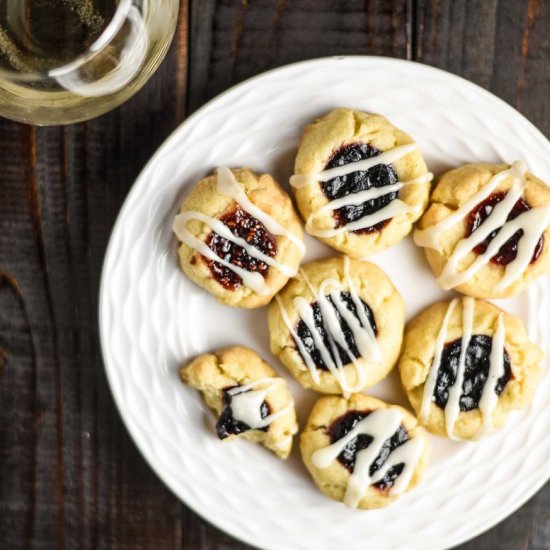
(242, 225)
(227, 425)
(306, 337)
(377, 176)
(509, 250)
(343, 425)
(475, 374)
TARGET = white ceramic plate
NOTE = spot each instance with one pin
(153, 319)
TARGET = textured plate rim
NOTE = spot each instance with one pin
(117, 227)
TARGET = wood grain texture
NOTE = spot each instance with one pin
(232, 40)
(70, 477)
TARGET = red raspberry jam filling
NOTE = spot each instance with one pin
(509, 250)
(242, 225)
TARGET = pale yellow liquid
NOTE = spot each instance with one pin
(40, 36)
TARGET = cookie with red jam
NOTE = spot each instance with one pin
(239, 237)
(486, 232)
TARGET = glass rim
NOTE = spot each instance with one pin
(110, 31)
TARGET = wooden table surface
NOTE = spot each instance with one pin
(70, 476)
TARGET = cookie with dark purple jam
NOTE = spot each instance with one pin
(337, 326)
(362, 451)
(248, 397)
(465, 365)
(229, 424)
(360, 182)
(239, 237)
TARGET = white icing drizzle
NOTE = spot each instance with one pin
(430, 236)
(407, 454)
(252, 280)
(381, 424)
(283, 443)
(431, 380)
(246, 403)
(368, 194)
(227, 185)
(368, 339)
(387, 157)
(223, 231)
(363, 335)
(305, 312)
(533, 223)
(452, 408)
(391, 210)
(394, 208)
(424, 178)
(309, 362)
(489, 397)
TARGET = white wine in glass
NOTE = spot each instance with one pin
(63, 61)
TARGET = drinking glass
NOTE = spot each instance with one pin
(64, 61)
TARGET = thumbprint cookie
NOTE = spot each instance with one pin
(240, 237)
(487, 229)
(249, 399)
(465, 365)
(360, 182)
(363, 452)
(338, 325)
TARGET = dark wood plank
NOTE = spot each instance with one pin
(501, 46)
(234, 40)
(459, 37)
(20, 411)
(70, 477)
